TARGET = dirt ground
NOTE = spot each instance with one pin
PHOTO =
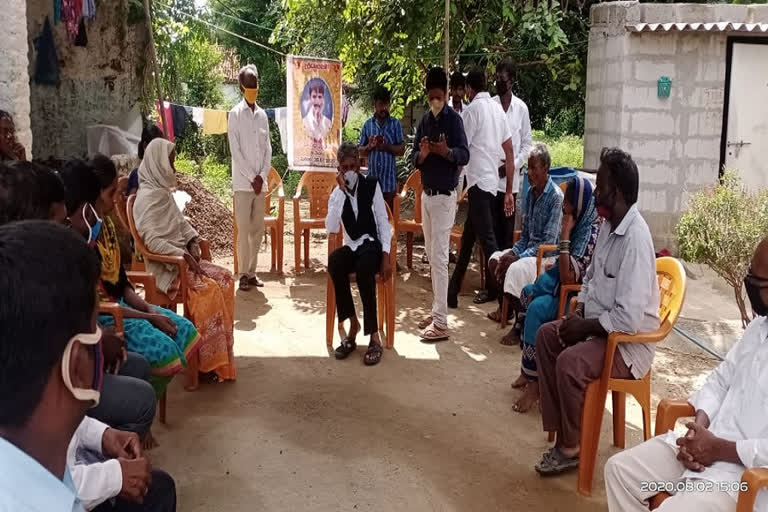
(430, 428)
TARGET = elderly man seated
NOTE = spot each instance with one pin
(516, 267)
(729, 434)
(619, 294)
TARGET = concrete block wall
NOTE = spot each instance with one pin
(675, 141)
(14, 77)
(100, 83)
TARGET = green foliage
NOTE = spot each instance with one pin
(722, 228)
(355, 122)
(215, 176)
(566, 150)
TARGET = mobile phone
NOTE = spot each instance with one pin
(435, 138)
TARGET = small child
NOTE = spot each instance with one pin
(358, 204)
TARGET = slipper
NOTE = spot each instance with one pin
(255, 281)
(347, 346)
(373, 354)
(496, 314)
(424, 323)
(434, 333)
(244, 284)
(482, 297)
(555, 463)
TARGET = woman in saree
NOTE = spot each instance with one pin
(580, 227)
(164, 230)
(164, 338)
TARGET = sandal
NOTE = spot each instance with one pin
(244, 284)
(434, 333)
(555, 463)
(373, 354)
(255, 281)
(347, 346)
(495, 315)
(425, 323)
(482, 297)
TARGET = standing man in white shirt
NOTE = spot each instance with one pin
(728, 435)
(519, 124)
(490, 142)
(358, 205)
(251, 148)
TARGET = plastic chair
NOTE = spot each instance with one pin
(319, 186)
(385, 292)
(275, 226)
(672, 286)
(114, 310)
(668, 412)
(543, 248)
(160, 298)
(407, 226)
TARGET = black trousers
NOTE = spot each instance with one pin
(503, 226)
(479, 227)
(161, 497)
(365, 262)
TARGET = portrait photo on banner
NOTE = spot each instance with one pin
(314, 112)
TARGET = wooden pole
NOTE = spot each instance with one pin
(156, 69)
(447, 56)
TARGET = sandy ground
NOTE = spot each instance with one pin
(430, 428)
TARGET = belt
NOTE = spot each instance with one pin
(437, 192)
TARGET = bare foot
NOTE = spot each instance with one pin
(511, 339)
(520, 382)
(528, 399)
(149, 442)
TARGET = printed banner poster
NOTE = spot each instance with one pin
(314, 113)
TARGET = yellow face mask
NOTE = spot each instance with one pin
(251, 95)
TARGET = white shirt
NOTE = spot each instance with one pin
(461, 108)
(486, 128)
(735, 397)
(248, 133)
(620, 287)
(95, 483)
(520, 125)
(333, 219)
(317, 130)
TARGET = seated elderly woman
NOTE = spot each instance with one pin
(540, 300)
(163, 337)
(165, 231)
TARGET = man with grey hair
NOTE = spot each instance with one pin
(516, 267)
(251, 148)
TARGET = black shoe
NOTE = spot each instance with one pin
(453, 301)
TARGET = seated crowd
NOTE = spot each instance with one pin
(77, 400)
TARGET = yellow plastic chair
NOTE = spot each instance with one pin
(672, 286)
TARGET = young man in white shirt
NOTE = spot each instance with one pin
(489, 143)
(519, 122)
(728, 435)
(457, 85)
(358, 205)
(251, 148)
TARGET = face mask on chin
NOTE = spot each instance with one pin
(436, 106)
(350, 179)
(93, 233)
(92, 394)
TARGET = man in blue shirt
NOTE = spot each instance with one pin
(381, 140)
(51, 365)
(439, 149)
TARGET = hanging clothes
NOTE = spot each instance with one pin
(82, 35)
(56, 11)
(197, 116)
(281, 119)
(70, 15)
(214, 121)
(168, 118)
(179, 116)
(89, 9)
(47, 63)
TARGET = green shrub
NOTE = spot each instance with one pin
(722, 228)
(566, 151)
(355, 122)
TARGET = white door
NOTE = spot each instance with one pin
(747, 136)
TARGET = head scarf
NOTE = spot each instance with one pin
(155, 171)
(581, 197)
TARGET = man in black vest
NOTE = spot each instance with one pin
(358, 204)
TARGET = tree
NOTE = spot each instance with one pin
(722, 228)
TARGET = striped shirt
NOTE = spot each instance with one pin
(381, 164)
(541, 221)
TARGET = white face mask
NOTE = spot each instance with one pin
(94, 392)
(436, 106)
(350, 178)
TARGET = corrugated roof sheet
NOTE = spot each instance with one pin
(723, 26)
